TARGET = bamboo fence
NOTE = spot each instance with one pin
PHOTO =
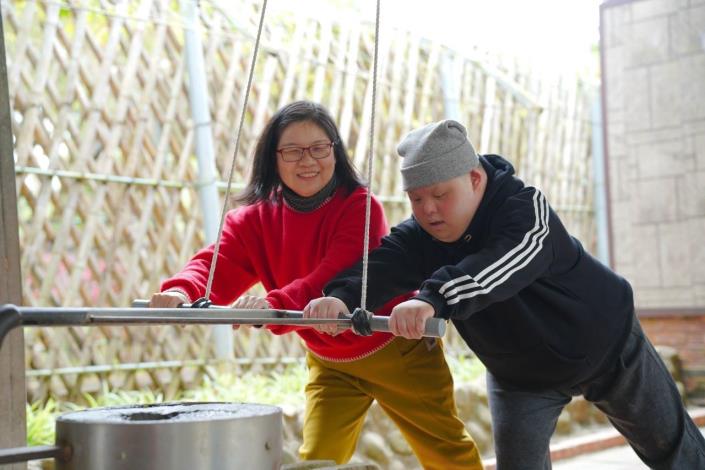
(108, 181)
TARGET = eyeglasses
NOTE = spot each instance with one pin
(317, 151)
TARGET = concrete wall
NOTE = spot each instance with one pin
(653, 65)
(653, 55)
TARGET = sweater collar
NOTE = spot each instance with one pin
(310, 203)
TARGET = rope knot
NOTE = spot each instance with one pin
(361, 322)
(202, 303)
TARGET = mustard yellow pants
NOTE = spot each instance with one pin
(411, 382)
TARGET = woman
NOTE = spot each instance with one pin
(302, 221)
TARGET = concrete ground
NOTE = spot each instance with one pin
(617, 458)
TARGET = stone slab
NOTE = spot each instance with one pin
(656, 201)
(615, 21)
(699, 140)
(697, 233)
(687, 29)
(615, 78)
(663, 158)
(647, 272)
(693, 79)
(622, 234)
(699, 295)
(637, 100)
(666, 95)
(673, 135)
(648, 42)
(676, 255)
(622, 175)
(665, 297)
(616, 136)
(691, 195)
(646, 9)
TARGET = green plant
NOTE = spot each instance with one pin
(465, 368)
(119, 397)
(283, 388)
(40, 422)
(275, 388)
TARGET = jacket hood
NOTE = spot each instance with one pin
(500, 183)
(498, 172)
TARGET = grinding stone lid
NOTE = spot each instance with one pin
(170, 412)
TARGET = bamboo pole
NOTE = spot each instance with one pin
(208, 194)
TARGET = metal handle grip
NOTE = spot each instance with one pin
(435, 327)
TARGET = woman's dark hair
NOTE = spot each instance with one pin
(264, 179)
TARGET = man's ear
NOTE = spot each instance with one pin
(476, 177)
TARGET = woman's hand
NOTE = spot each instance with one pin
(167, 299)
(250, 301)
(326, 307)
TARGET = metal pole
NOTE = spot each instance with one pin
(208, 191)
(24, 454)
(449, 84)
(598, 161)
(12, 316)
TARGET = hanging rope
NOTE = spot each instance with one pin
(214, 261)
(368, 202)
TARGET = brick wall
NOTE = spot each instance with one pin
(686, 334)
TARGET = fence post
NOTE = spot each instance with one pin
(598, 161)
(13, 430)
(450, 76)
(207, 188)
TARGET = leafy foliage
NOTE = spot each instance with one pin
(465, 368)
(40, 422)
(283, 388)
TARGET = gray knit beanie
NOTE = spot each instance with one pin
(436, 152)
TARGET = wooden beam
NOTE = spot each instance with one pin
(12, 383)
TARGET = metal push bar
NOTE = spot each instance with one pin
(12, 316)
(24, 454)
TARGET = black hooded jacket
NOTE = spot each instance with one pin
(533, 305)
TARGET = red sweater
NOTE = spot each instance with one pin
(293, 254)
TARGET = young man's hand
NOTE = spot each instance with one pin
(325, 307)
(408, 319)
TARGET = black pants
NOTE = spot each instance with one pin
(637, 394)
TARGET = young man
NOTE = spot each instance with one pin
(548, 320)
